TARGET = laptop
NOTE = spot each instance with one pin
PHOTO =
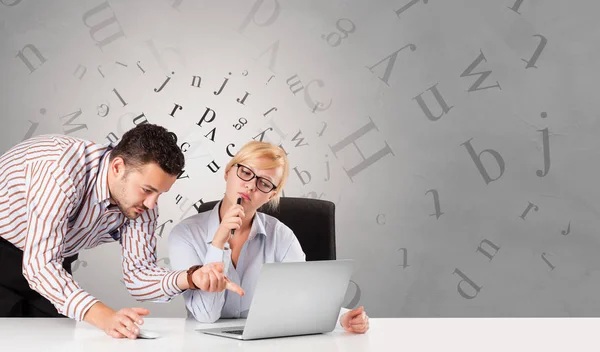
(291, 299)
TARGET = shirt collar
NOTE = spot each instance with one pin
(258, 226)
(102, 192)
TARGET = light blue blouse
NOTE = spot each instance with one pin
(190, 244)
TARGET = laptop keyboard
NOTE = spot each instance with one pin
(236, 332)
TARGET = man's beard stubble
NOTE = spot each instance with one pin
(128, 212)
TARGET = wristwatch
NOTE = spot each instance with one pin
(190, 271)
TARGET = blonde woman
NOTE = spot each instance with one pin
(224, 285)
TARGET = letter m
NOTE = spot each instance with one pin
(106, 20)
(73, 127)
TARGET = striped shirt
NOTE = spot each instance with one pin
(55, 202)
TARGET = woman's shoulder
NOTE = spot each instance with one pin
(194, 225)
(273, 225)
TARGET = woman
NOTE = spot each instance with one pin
(256, 175)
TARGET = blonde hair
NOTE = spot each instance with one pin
(275, 156)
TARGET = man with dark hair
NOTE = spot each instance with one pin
(60, 195)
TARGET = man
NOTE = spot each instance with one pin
(60, 195)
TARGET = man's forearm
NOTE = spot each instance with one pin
(98, 314)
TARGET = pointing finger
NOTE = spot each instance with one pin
(234, 287)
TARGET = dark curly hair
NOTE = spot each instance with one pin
(147, 143)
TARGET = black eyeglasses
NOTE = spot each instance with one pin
(262, 184)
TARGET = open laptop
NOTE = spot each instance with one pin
(291, 299)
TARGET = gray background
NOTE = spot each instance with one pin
(457, 138)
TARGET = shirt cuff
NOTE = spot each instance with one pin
(77, 304)
(169, 284)
(342, 312)
(214, 255)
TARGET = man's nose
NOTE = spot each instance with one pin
(151, 201)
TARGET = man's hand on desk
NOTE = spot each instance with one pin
(119, 324)
(355, 321)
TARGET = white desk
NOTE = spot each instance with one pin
(502, 334)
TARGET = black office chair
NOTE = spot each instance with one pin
(312, 220)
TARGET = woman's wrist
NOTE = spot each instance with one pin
(219, 240)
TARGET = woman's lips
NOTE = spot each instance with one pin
(244, 196)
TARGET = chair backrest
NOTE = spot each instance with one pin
(312, 220)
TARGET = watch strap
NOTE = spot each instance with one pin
(190, 271)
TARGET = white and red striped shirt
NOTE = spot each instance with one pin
(54, 202)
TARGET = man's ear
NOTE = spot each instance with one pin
(117, 166)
